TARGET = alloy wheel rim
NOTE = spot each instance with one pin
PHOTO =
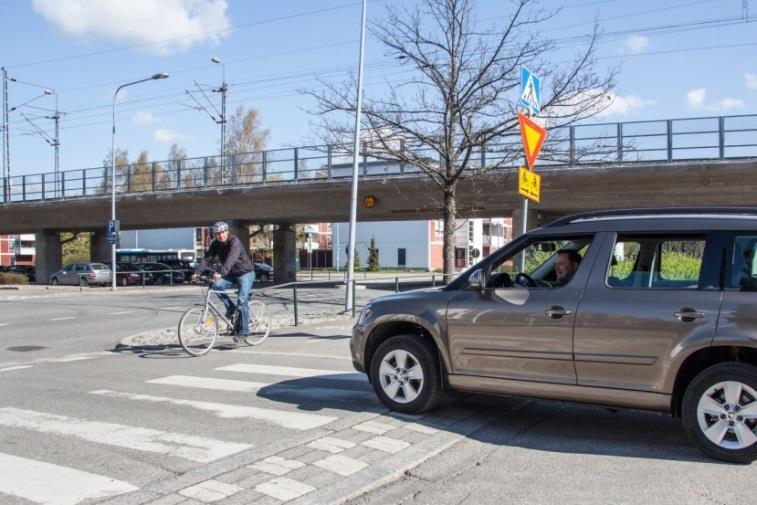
(727, 415)
(401, 376)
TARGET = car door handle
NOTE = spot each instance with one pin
(687, 314)
(556, 312)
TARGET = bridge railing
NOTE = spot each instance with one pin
(666, 141)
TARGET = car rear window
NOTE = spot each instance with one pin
(99, 266)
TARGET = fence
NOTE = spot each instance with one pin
(667, 141)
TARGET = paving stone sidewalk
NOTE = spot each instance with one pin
(324, 466)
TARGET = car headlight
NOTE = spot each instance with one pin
(365, 314)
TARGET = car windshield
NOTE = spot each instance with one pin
(99, 266)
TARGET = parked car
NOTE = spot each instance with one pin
(128, 274)
(263, 272)
(660, 315)
(28, 270)
(83, 274)
(162, 273)
(182, 266)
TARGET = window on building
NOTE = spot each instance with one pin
(401, 257)
(487, 229)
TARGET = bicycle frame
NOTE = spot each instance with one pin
(209, 305)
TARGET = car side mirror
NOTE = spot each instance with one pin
(476, 279)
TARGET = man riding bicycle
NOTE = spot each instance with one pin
(236, 270)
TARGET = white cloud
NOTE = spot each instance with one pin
(696, 99)
(624, 105)
(166, 136)
(750, 80)
(134, 22)
(635, 44)
(144, 118)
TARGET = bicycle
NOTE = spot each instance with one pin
(199, 325)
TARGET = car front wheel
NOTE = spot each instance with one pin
(720, 412)
(405, 374)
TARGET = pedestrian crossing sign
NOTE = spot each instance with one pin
(530, 90)
(529, 184)
(533, 136)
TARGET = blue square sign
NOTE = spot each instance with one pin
(530, 90)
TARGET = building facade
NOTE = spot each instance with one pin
(17, 249)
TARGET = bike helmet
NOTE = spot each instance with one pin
(220, 226)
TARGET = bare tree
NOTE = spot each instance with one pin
(461, 96)
(245, 141)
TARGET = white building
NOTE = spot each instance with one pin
(418, 244)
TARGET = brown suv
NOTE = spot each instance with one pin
(660, 314)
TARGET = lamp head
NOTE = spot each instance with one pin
(161, 75)
(49, 92)
(215, 59)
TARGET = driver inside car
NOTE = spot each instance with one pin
(566, 264)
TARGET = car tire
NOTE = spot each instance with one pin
(405, 374)
(719, 412)
(54, 281)
(263, 278)
(83, 282)
(124, 282)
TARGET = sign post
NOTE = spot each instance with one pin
(112, 231)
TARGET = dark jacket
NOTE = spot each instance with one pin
(231, 253)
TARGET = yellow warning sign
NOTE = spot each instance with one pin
(529, 184)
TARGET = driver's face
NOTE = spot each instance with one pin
(564, 268)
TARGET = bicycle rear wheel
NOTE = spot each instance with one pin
(260, 323)
(198, 329)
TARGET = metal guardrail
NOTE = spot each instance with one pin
(668, 141)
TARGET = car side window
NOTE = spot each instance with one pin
(656, 262)
(542, 263)
(743, 263)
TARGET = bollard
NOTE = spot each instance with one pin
(294, 286)
(433, 281)
(396, 284)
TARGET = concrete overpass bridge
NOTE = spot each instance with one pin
(683, 162)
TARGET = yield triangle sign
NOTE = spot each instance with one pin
(533, 136)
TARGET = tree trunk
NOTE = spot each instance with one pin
(450, 214)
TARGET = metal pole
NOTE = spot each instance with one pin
(6, 140)
(294, 286)
(113, 167)
(57, 146)
(223, 119)
(349, 302)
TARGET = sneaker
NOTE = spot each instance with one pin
(239, 338)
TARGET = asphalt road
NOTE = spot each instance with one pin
(86, 421)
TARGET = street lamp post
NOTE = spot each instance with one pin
(161, 75)
(222, 90)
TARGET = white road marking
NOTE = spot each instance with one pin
(190, 381)
(119, 313)
(4, 324)
(50, 484)
(11, 368)
(63, 318)
(294, 354)
(179, 445)
(294, 420)
(68, 359)
(294, 372)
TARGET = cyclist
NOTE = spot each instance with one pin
(236, 270)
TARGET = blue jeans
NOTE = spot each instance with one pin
(244, 284)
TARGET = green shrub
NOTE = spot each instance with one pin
(12, 278)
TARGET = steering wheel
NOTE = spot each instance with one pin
(525, 280)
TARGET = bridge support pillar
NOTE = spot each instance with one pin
(48, 254)
(534, 220)
(99, 248)
(242, 230)
(284, 254)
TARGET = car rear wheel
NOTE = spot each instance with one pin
(405, 374)
(54, 281)
(83, 282)
(263, 278)
(720, 412)
(124, 282)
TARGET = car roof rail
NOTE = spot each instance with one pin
(652, 211)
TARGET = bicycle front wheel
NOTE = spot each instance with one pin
(198, 329)
(260, 323)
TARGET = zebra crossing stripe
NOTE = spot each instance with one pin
(209, 383)
(190, 447)
(294, 372)
(293, 420)
(50, 484)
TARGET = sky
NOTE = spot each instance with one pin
(675, 58)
